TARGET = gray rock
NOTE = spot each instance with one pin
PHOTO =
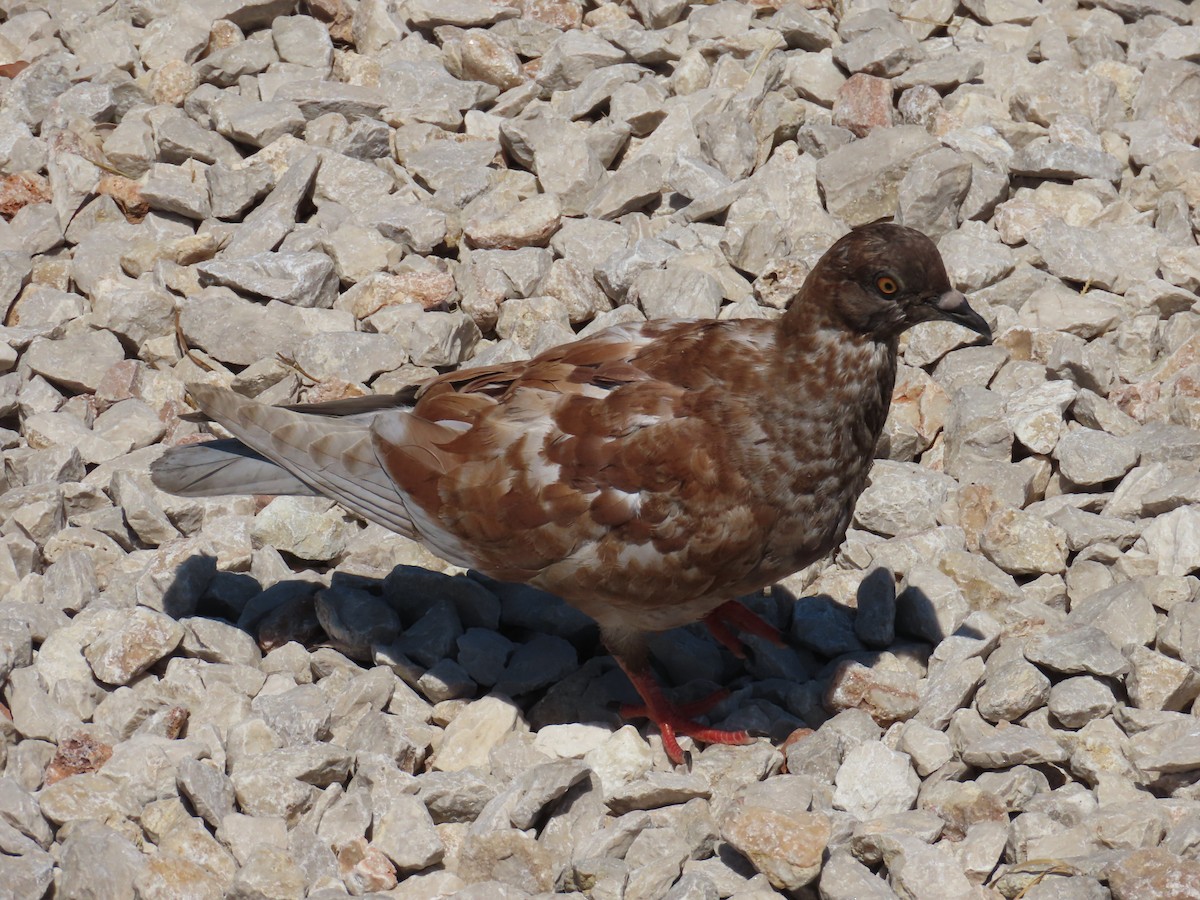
(300, 279)
(233, 190)
(916, 868)
(947, 689)
(1165, 89)
(181, 189)
(1078, 700)
(405, 833)
(874, 780)
(1179, 635)
(356, 619)
(125, 649)
(349, 355)
(442, 339)
(629, 188)
(226, 65)
(302, 40)
(930, 604)
(928, 748)
(676, 291)
(1156, 681)
(1124, 612)
(297, 716)
(256, 123)
(977, 434)
(86, 796)
(77, 361)
(880, 52)
(208, 789)
(1110, 257)
(1092, 457)
(861, 183)
(1083, 649)
(94, 854)
(180, 139)
(27, 875)
(267, 225)
(1036, 414)
(1014, 745)
(900, 499)
(1024, 544)
(845, 878)
(271, 872)
(1010, 690)
(1046, 158)
(932, 191)
(318, 98)
(536, 664)
(1171, 541)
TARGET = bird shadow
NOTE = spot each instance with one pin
(421, 622)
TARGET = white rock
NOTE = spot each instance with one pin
(875, 781)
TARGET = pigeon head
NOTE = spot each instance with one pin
(882, 279)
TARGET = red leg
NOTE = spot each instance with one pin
(724, 634)
(672, 720)
(732, 615)
(695, 708)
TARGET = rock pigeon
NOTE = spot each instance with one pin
(647, 474)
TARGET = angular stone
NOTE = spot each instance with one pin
(932, 192)
(1010, 690)
(510, 857)
(1156, 681)
(1024, 544)
(405, 833)
(1110, 257)
(863, 104)
(1045, 158)
(874, 780)
(77, 361)
(786, 846)
(1153, 872)
(901, 499)
(1084, 649)
(1076, 701)
(120, 652)
(1090, 457)
(887, 696)
(861, 183)
(300, 279)
(1172, 540)
(676, 291)
(472, 733)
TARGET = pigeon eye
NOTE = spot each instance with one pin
(887, 285)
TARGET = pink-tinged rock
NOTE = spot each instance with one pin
(785, 846)
(863, 104)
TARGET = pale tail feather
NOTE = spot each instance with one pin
(220, 468)
(331, 456)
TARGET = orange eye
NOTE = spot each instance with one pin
(887, 284)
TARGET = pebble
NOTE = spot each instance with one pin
(873, 780)
(786, 847)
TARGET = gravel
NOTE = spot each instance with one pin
(992, 688)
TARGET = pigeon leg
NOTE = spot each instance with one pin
(671, 719)
(731, 616)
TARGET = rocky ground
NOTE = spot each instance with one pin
(232, 698)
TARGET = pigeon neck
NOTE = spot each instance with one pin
(813, 315)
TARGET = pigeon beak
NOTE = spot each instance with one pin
(953, 307)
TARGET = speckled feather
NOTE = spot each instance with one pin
(646, 474)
